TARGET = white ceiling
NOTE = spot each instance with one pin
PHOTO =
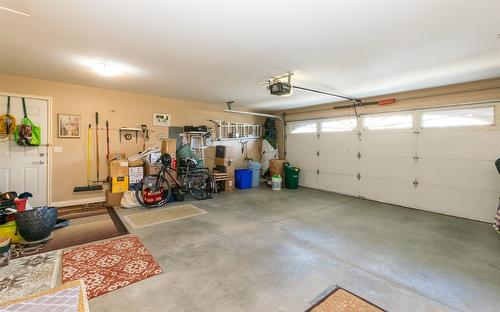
(217, 50)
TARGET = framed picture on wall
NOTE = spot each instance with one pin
(68, 126)
(161, 120)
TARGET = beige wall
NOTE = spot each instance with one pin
(122, 109)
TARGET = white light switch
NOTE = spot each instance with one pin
(58, 149)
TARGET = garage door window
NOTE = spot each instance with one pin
(339, 124)
(379, 122)
(479, 116)
(304, 127)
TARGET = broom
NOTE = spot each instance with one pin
(89, 187)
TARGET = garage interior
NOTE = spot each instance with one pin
(249, 156)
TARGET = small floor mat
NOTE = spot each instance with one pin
(341, 300)
(101, 224)
(29, 275)
(109, 265)
(69, 297)
(140, 220)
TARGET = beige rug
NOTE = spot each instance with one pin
(157, 216)
(69, 297)
(341, 300)
(29, 275)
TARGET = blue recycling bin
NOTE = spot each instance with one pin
(243, 178)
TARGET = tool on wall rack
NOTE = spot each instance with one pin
(107, 140)
(145, 133)
(89, 187)
(97, 144)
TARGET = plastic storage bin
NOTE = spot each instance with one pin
(243, 178)
(291, 176)
(255, 167)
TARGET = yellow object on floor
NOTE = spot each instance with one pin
(9, 229)
(139, 220)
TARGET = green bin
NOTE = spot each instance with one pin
(291, 176)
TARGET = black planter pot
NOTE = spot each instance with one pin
(36, 224)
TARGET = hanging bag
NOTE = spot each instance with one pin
(27, 133)
(7, 122)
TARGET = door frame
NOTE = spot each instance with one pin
(49, 136)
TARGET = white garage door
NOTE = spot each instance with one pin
(436, 160)
(302, 151)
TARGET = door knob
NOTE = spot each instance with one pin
(41, 162)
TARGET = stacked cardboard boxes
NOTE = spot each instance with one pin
(123, 175)
(118, 174)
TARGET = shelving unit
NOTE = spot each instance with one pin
(227, 130)
(197, 143)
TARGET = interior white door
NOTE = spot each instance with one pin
(338, 162)
(387, 167)
(456, 172)
(24, 168)
(301, 151)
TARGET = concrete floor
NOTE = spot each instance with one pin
(259, 250)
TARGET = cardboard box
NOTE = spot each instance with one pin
(113, 199)
(118, 168)
(151, 169)
(136, 163)
(276, 167)
(135, 174)
(119, 184)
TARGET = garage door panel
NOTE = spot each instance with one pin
(388, 143)
(344, 184)
(472, 204)
(304, 161)
(338, 143)
(459, 173)
(388, 191)
(339, 164)
(459, 144)
(391, 168)
(302, 142)
(308, 178)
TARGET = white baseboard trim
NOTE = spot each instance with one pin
(75, 202)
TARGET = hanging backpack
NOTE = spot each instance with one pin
(27, 133)
(7, 122)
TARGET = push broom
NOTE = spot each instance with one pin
(89, 187)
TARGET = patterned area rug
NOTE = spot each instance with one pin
(69, 297)
(29, 275)
(340, 300)
(109, 265)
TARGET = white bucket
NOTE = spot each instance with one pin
(276, 183)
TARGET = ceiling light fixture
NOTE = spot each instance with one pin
(14, 11)
(106, 69)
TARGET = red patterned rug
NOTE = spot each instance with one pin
(109, 265)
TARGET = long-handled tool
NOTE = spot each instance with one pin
(89, 187)
(97, 144)
(107, 140)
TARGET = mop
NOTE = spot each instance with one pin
(90, 187)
